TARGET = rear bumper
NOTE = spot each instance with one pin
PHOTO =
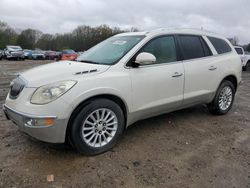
(54, 133)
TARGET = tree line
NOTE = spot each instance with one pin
(80, 39)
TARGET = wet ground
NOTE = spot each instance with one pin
(187, 148)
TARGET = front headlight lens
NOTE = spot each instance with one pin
(51, 92)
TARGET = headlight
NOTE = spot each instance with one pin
(51, 92)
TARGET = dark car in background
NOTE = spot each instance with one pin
(51, 55)
(14, 52)
(70, 55)
(38, 55)
(1, 54)
(27, 54)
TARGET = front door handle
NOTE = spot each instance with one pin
(212, 68)
(177, 74)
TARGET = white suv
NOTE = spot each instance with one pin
(245, 58)
(126, 78)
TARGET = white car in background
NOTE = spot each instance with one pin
(126, 78)
(14, 52)
(245, 58)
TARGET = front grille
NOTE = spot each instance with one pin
(16, 87)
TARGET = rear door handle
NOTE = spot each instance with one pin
(212, 68)
(177, 74)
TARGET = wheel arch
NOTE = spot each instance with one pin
(232, 78)
(111, 97)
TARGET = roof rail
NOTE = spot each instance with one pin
(182, 28)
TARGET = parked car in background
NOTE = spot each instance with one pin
(80, 53)
(245, 58)
(70, 55)
(27, 54)
(37, 55)
(14, 52)
(126, 78)
(51, 55)
(1, 54)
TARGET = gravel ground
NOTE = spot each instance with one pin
(187, 148)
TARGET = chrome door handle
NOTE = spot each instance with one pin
(212, 68)
(177, 74)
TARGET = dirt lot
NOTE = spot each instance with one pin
(188, 148)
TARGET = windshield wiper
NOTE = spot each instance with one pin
(87, 61)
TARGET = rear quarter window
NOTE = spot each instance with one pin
(239, 51)
(220, 45)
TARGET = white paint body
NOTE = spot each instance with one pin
(146, 91)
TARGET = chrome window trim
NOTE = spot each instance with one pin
(182, 61)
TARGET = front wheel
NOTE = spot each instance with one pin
(97, 127)
(223, 100)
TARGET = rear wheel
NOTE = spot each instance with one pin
(248, 66)
(97, 127)
(223, 100)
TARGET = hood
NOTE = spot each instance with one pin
(58, 71)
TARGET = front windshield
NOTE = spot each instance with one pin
(14, 47)
(110, 51)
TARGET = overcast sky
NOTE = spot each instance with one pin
(226, 17)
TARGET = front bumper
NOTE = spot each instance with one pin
(54, 133)
(15, 55)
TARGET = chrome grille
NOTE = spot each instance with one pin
(16, 87)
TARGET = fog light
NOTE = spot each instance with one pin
(39, 122)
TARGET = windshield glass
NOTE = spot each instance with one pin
(110, 51)
(14, 47)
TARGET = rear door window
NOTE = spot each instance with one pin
(193, 47)
(220, 45)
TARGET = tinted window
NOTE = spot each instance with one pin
(239, 51)
(162, 48)
(193, 47)
(220, 45)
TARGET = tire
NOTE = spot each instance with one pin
(247, 67)
(84, 141)
(216, 106)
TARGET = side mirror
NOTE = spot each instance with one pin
(145, 58)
